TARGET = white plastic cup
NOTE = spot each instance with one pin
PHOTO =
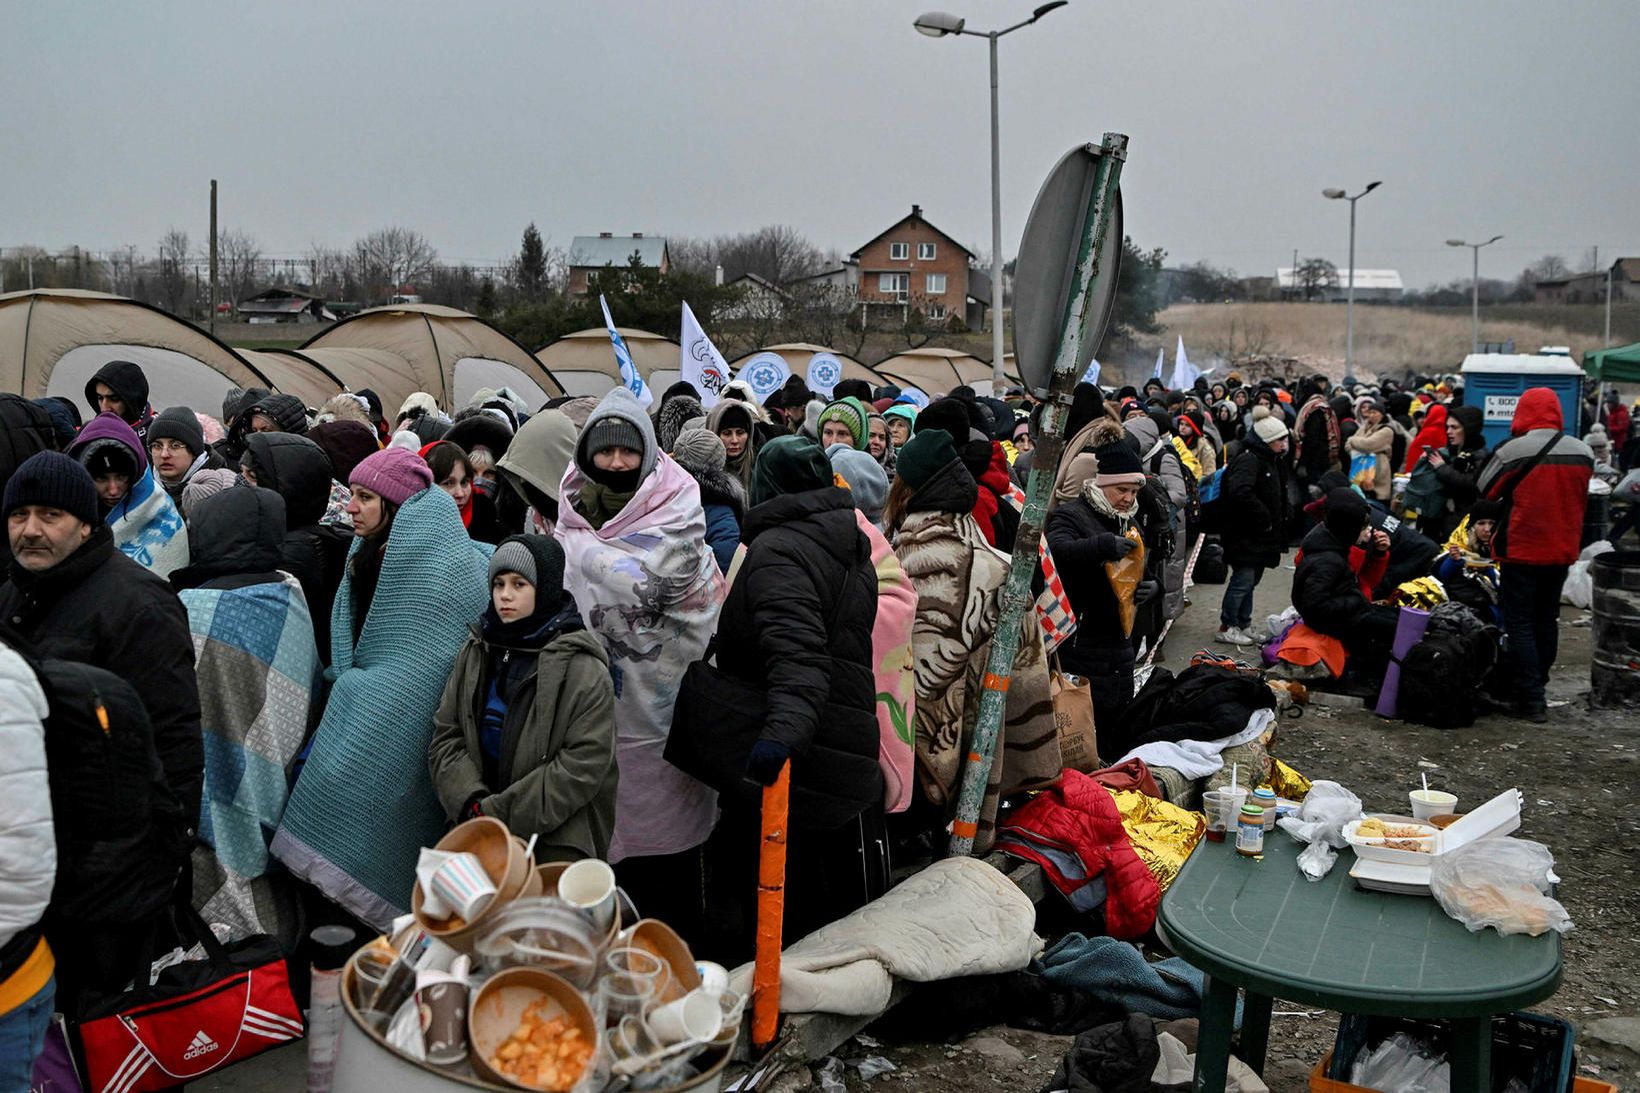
(694, 1018)
(1223, 808)
(1432, 802)
(714, 978)
(589, 886)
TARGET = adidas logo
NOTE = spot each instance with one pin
(202, 1045)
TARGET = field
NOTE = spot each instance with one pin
(1388, 340)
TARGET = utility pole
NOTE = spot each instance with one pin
(1608, 338)
(213, 257)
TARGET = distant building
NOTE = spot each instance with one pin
(1590, 288)
(1380, 285)
(913, 264)
(589, 254)
(759, 298)
(840, 275)
(284, 305)
(1260, 288)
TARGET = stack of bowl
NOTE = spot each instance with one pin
(508, 863)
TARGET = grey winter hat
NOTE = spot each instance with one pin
(699, 451)
(867, 481)
(536, 558)
(618, 421)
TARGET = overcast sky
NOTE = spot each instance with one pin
(322, 121)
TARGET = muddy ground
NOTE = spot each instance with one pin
(1581, 777)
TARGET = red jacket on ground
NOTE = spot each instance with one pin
(1074, 832)
(1545, 524)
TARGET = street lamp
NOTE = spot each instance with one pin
(1474, 288)
(938, 24)
(1349, 299)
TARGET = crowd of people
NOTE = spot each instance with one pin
(320, 636)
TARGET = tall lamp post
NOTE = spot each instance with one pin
(1474, 288)
(1349, 298)
(938, 24)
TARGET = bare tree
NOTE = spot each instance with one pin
(174, 251)
(328, 272)
(238, 263)
(1315, 274)
(778, 253)
(691, 255)
(389, 260)
(826, 315)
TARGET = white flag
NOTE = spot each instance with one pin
(1092, 373)
(765, 373)
(700, 362)
(1161, 355)
(630, 376)
(825, 371)
(1184, 373)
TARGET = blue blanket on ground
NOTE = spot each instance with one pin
(364, 806)
(1116, 972)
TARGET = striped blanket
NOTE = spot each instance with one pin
(258, 673)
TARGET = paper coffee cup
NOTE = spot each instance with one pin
(442, 1008)
(589, 886)
(462, 884)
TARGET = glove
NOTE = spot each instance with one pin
(1121, 548)
(1146, 592)
(764, 763)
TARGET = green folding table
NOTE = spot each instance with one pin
(1258, 925)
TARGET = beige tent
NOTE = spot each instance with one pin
(389, 375)
(450, 354)
(798, 354)
(293, 376)
(584, 362)
(53, 340)
(936, 371)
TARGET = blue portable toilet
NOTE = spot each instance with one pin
(1495, 381)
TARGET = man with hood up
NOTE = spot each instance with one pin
(121, 388)
(534, 468)
(1541, 475)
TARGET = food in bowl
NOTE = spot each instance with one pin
(1374, 828)
(543, 1052)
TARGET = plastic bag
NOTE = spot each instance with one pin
(1502, 883)
(1579, 587)
(1320, 822)
(1403, 1064)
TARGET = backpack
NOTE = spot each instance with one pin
(1423, 495)
(1211, 568)
(1441, 678)
(121, 837)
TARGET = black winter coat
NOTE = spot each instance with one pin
(1082, 541)
(99, 607)
(25, 429)
(1326, 590)
(1255, 491)
(798, 624)
(299, 471)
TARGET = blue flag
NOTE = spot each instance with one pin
(630, 377)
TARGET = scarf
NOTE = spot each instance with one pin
(1317, 404)
(1095, 496)
(600, 504)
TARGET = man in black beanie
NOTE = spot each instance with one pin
(1327, 585)
(177, 449)
(794, 402)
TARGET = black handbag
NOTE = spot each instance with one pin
(717, 719)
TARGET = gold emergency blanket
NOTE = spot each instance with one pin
(1425, 592)
(1288, 784)
(1162, 834)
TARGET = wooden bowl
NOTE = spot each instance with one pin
(499, 1005)
(549, 874)
(657, 938)
(1444, 820)
(503, 858)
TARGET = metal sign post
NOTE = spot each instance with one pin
(1067, 269)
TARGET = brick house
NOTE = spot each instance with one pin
(915, 266)
(589, 254)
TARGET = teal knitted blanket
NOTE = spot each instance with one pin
(364, 804)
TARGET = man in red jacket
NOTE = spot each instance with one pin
(1542, 477)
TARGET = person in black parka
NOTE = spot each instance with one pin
(1458, 468)
(1327, 588)
(299, 471)
(124, 391)
(797, 624)
(1254, 536)
(1083, 534)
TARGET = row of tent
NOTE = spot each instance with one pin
(53, 340)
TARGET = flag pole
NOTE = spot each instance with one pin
(1016, 592)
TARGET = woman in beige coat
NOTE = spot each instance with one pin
(1375, 437)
